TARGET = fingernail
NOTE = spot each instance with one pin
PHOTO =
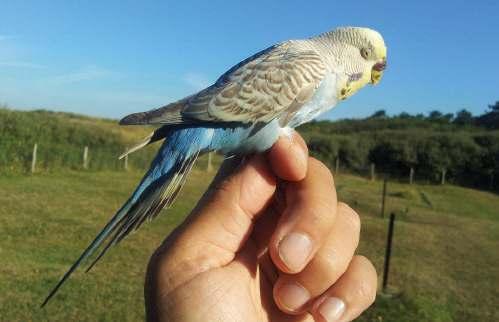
(293, 296)
(331, 309)
(294, 250)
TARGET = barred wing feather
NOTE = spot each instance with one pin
(277, 80)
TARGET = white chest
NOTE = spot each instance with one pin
(323, 100)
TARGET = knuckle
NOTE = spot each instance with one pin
(367, 292)
(324, 208)
(368, 285)
(321, 169)
(352, 217)
(331, 262)
(319, 217)
(318, 208)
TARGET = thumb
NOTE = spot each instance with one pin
(216, 229)
(212, 234)
(223, 219)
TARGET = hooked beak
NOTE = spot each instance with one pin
(377, 71)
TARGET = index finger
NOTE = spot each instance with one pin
(288, 157)
(307, 220)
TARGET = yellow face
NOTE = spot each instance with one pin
(352, 86)
(373, 54)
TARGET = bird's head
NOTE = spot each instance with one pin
(359, 54)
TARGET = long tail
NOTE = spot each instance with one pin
(157, 190)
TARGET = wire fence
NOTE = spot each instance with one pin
(413, 175)
(34, 158)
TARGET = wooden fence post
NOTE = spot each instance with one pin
(388, 252)
(85, 157)
(373, 174)
(33, 158)
(444, 172)
(209, 166)
(411, 175)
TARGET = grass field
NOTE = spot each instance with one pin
(444, 265)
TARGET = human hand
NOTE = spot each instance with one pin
(267, 242)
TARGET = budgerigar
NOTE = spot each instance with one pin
(244, 111)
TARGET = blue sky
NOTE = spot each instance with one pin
(111, 58)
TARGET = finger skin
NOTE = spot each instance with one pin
(288, 157)
(356, 288)
(330, 262)
(309, 214)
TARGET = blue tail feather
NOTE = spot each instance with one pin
(158, 188)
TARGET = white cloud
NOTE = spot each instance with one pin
(86, 73)
(196, 80)
(20, 64)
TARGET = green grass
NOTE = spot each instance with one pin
(444, 264)
(444, 257)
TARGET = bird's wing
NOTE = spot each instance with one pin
(276, 80)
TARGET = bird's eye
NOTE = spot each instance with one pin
(364, 53)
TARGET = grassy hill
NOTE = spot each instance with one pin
(61, 138)
(444, 263)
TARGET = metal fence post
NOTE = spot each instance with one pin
(388, 252)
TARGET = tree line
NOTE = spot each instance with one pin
(462, 147)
